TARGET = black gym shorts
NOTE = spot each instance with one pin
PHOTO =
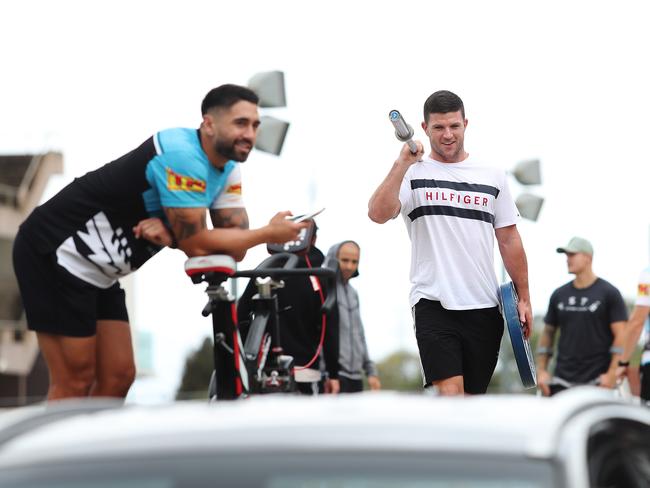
(458, 343)
(55, 301)
(645, 382)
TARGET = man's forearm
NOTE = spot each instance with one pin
(618, 345)
(370, 368)
(233, 241)
(515, 262)
(542, 361)
(632, 331)
(227, 218)
(545, 348)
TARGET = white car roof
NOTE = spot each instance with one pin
(521, 425)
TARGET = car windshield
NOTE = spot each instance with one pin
(289, 470)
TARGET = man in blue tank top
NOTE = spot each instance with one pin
(71, 251)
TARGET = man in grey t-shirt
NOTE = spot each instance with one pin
(590, 314)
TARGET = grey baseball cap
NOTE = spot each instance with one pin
(577, 244)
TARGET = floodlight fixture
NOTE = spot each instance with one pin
(528, 172)
(529, 205)
(269, 86)
(272, 132)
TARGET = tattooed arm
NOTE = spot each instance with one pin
(195, 239)
(225, 218)
(153, 229)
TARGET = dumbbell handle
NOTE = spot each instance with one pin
(403, 131)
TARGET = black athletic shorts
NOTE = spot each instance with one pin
(458, 343)
(57, 302)
(645, 382)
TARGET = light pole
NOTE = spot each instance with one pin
(527, 173)
(269, 86)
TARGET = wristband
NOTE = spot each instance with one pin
(616, 350)
(544, 350)
(624, 364)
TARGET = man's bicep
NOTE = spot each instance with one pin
(404, 198)
(185, 222)
(224, 218)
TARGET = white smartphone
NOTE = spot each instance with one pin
(300, 218)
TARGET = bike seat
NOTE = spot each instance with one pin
(214, 269)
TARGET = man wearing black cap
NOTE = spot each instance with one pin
(591, 314)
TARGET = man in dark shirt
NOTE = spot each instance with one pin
(591, 315)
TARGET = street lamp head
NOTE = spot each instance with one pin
(528, 172)
(529, 206)
(270, 137)
(269, 86)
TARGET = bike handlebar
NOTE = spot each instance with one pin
(288, 269)
(277, 266)
(283, 272)
(276, 273)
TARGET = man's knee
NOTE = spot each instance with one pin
(123, 377)
(75, 382)
(450, 386)
(115, 382)
(71, 364)
(450, 390)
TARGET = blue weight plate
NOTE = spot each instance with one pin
(520, 346)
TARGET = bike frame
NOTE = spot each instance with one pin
(259, 365)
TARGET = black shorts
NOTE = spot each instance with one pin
(645, 382)
(57, 302)
(349, 385)
(458, 343)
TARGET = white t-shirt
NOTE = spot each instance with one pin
(643, 300)
(451, 211)
(643, 289)
(231, 196)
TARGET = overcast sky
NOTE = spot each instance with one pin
(565, 82)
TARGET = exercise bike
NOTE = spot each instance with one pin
(259, 365)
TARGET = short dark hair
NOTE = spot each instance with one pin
(226, 96)
(443, 102)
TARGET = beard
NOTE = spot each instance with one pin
(229, 149)
(445, 155)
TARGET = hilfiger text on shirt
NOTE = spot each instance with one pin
(450, 198)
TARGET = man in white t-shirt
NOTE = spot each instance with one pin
(453, 207)
(633, 331)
